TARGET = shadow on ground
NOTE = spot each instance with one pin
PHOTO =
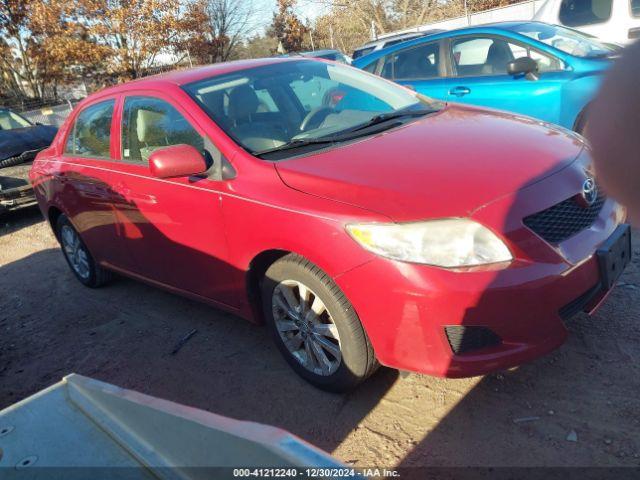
(124, 334)
(14, 221)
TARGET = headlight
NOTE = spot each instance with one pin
(451, 242)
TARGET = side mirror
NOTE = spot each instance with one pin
(523, 65)
(177, 161)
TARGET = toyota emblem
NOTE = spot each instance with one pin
(589, 191)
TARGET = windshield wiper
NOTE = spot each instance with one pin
(385, 117)
(348, 134)
(302, 142)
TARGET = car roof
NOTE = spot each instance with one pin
(183, 77)
(508, 26)
(312, 53)
(407, 35)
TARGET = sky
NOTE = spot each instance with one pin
(305, 9)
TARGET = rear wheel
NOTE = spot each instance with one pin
(314, 325)
(78, 256)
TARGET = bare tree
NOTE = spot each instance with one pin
(217, 28)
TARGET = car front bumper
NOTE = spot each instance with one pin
(15, 189)
(405, 309)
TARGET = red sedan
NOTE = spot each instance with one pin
(364, 223)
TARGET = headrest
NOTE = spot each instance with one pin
(243, 102)
(149, 125)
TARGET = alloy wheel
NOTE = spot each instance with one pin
(75, 252)
(306, 327)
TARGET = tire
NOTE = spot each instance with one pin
(80, 261)
(356, 360)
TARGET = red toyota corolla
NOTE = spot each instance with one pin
(363, 222)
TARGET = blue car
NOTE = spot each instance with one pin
(531, 68)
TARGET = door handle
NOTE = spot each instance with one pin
(460, 91)
(129, 194)
(142, 198)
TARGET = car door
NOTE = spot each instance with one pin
(419, 67)
(479, 77)
(84, 178)
(172, 227)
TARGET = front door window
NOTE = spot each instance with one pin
(478, 56)
(149, 124)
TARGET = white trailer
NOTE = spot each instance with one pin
(81, 428)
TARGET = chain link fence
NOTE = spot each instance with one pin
(41, 111)
(49, 115)
(50, 112)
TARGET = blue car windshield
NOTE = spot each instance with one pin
(566, 40)
(272, 105)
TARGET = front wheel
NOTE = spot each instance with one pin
(314, 325)
(78, 256)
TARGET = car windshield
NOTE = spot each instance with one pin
(10, 120)
(566, 40)
(271, 106)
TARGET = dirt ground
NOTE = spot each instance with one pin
(576, 407)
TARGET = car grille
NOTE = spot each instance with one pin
(463, 339)
(564, 220)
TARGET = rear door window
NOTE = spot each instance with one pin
(91, 133)
(576, 13)
(635, 8)
(414, 63)
(149, 124)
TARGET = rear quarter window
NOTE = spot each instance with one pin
(413, 63)
(90, 135)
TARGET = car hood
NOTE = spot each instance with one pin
(445, 164)
(19, 140)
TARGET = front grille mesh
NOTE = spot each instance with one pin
(564, 220)
(463, 339)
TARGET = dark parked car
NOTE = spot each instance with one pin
(20, 141)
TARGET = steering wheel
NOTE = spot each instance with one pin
(315, 117)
